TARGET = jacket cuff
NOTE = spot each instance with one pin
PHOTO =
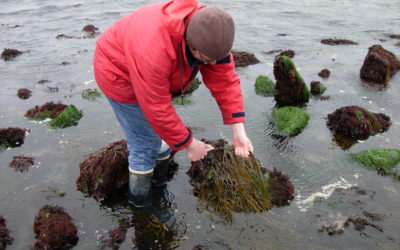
(183, 144)
(234, 118)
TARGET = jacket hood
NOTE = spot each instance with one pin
(177, 14)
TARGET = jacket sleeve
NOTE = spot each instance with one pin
(224, 84)
(150, 80)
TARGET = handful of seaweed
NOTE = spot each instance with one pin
(226, 183)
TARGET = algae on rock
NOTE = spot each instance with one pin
(264, 86)
(291, 89)
(382, 160)
(290, 120)
(227, 183)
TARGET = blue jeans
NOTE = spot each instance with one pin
(143, 142)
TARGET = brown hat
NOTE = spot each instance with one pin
(211, 31)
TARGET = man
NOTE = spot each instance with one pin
(151, 54)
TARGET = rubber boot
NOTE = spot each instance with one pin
(140, 189)
(160, 173)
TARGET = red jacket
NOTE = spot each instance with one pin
(142, 59)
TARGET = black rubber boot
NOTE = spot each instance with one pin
(140, 189)
(160, 173)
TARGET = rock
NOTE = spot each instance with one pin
(5, 238)
(290, 87)
(334, 41)
(61, 115)
(21, 163)
(24, 93)
(248, 189)
(288, 53)
(317, 88)
(54, 229)
(12, 137)
(325, 73)
(243, 58)
(379, 66)
(394, 36)
(91, 31)
(289, 120)
(264, 86)
(9, 54)
(383, 160)
(357, 123)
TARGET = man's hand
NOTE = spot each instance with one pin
(242, 143)
(197, 150)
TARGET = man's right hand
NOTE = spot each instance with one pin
(197, 150)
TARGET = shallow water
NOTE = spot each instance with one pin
(314, 163)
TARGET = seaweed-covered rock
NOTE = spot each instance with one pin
(379, 65)
(360, 223)
(394, 36)
(290, 120)
(184, 100)
(382, 160)
(317, 88)
(12, 137)
(243, 58)
(105, 171)
(9, 54)
(335, 41)
(227, 183)
(61, 115)
(291, 89)
(24, 93)
(115, 237)
(91, 31)
(289, 53)
(54, 229)
(5, 238)
(21, 163)
(91, 94)
(264, 86)
(357, 123)
(324, 73)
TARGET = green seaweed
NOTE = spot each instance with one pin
(290, 120)
(289, 65)
(264, 86)
(181, 101)
(91, 95)
(41, 116)
(195, 85)
(67, 118)
(397, 44)
(382, 160)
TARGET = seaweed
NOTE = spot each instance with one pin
(226, 183)
(67, 118)
(291, 89)
(383, 160)
(91, 94)
(290, 120)
(264, 86)
(12, 137)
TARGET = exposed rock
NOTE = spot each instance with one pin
(357, 123)
(394, 36)
(21, 163)
(12, 137)
(63, 36)
(43, 81)
(317, 88)
(291, 89)
(334, 41)
(5, 238)
(54, 229)
(331, 230)
(9, 54)
(91, 31)
(288, 53)
(379, 65)
(243, 58)
(325, 73)
(24, 93)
